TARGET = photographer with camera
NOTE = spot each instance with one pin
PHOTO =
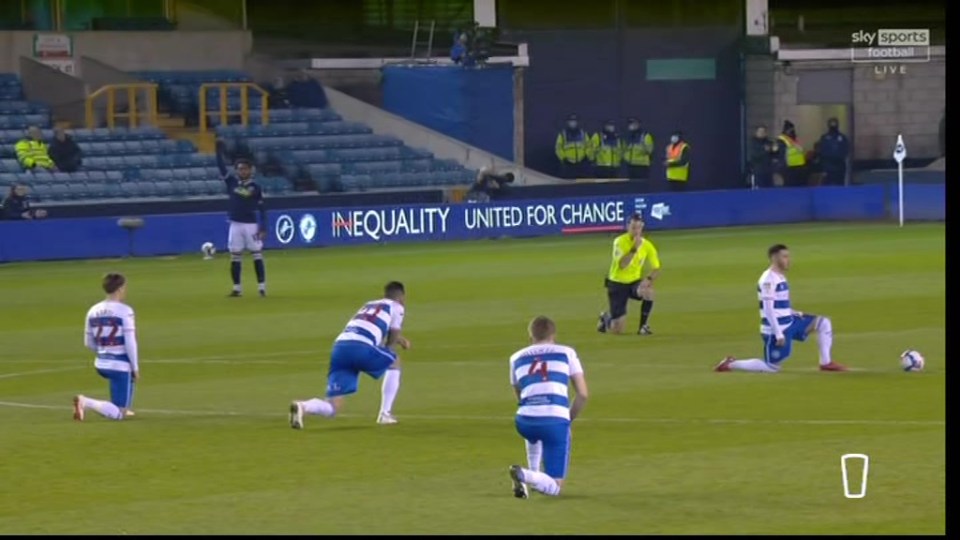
(489, 186)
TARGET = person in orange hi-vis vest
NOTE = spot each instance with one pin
(677, 163)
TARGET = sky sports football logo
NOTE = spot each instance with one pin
(905, 45)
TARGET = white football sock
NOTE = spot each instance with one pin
(753, 364)
(262, 286)
(541, 482)
(825, 340)
(318, 406)
(388, 392)
(534, 454)
(104, 408)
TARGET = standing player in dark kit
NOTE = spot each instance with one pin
(248, 219)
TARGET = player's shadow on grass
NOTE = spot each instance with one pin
(340, 428)
(535, 495)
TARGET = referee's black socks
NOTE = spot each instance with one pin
(646, 306)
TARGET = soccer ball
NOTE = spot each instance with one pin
(911, 360)
(208, 250)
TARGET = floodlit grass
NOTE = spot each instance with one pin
(664, 446)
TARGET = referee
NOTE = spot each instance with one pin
(631, 251)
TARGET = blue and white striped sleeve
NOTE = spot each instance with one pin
(130, 341)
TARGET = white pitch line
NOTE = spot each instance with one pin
(461, 418)
(39, 372)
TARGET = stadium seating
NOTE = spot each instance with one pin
(308, 146)
(312, 144)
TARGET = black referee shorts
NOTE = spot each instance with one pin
(618, 294)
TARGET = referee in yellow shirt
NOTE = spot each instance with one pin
(631, 251)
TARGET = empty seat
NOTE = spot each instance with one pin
(97, 176)
(214, 187)
(355, 182)
(59, 192)
(379, 166)
(197, 187)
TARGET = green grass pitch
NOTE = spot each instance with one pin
(665, 445)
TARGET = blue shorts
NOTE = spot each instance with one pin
(554, 433)
(121, 387)
(350, 358)
(797, 331)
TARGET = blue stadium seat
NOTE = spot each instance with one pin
(179, 188)
(417, 165)
(42, 175)
(165, 189)
(59, 192)
(97, 176)
(196, 187)
(414, 153)
(130, 190)
(5, 180)
(355, 182)
(180, 175)
(214, 187)
(9, 165)
(372, 167)
(114, 176)
(165, 175)
(94, 190)
(42, 191)
(197, 173)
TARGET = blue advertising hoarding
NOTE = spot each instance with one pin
(79, 238)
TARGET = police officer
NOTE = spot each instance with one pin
(573, 149)
(637, 149)
(763, 152)
(607, 151)
(833, 151)
(793, 156)
(677, 163)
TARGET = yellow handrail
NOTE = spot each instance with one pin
(133, 115)
(224, 112)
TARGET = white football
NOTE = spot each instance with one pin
(208, 250)
(911, 360)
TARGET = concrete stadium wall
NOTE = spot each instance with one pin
(130, 51)
(442, 146)
(882, 106)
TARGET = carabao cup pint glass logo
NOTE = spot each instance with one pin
(850, 464)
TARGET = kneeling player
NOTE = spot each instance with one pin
(541, 375)
(780, 325)
(363, 347)
(110, 333)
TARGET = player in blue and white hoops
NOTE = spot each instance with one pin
(248, 220)
(109, 331)
(780, 324)
(541, 376)
(364, 346)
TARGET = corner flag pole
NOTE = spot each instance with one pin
(899, 153)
